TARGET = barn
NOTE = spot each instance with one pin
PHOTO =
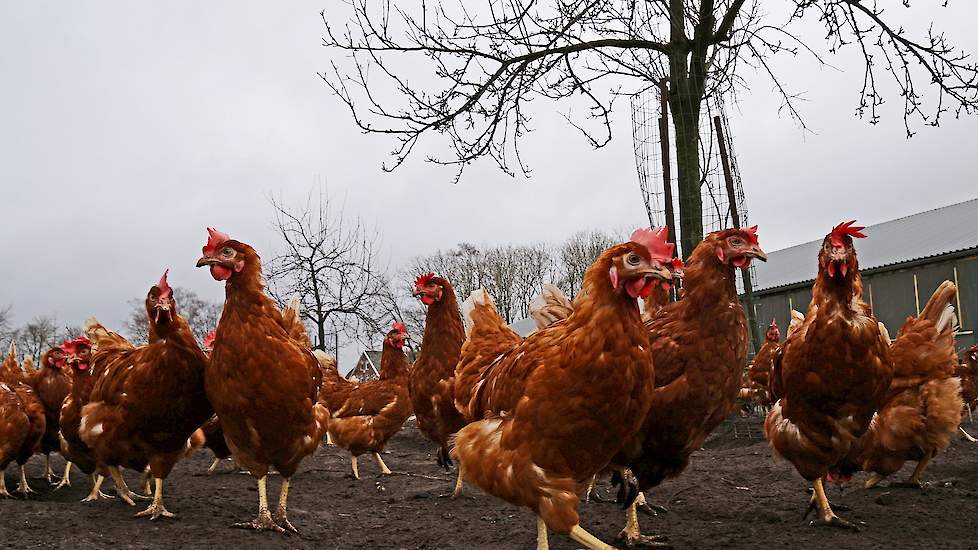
(902, 263)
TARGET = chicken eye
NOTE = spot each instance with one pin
(736, 241)
(633, 259)
(227, 251)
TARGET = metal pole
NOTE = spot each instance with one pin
(753, 329)
(666, 168)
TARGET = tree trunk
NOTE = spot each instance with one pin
(685, 108)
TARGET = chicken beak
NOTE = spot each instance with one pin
(758, 253)
(205, 260)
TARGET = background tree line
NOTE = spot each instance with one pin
(34, 337)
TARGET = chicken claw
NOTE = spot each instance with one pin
(97, 493)
(261, 523)
(264, 520)
(828, 517)
(154, 511)
(281, 516)
(3, 487)
(632, 536)
(23, 488)
(66, 478)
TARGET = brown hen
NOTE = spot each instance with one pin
(555, 408)
(923, 407)
(431, 383)
(263, 384)
(52, 382)
(148, 400)
(374, 411)
(22, 420)
(834, 372)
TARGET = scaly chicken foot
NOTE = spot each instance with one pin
(873, 481)
(356, 469)
(281, 515)
(632, 535)
(384, 470)
(121, 488)
(542, 541)
(827, 516)
(48, 474)
(3, 487)
(156, 509)
(264, 520)
(578, 534)
(459, 482)
(915, 482)
(651, 510)
(23, 488)
(66, 478)
(591, 493)
(96, 492)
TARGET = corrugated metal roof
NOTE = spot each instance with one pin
(931, 233)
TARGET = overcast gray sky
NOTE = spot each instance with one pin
(129, 127)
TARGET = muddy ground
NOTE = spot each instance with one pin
(732, 496)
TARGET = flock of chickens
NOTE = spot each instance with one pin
(602, 387)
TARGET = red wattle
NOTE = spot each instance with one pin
(220, 273)
(427, 300)
(635, 288)
(831, 268)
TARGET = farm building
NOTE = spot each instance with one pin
(902, 263)
(368, 365)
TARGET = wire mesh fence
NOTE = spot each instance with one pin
(654, 174)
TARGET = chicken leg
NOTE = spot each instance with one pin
(121, 488)
(356, 470)
(587, 539)
(156, 509)
(873, 481)
(459, 482)
(828, 517)
(384, 470)
(264, 520)
(914, 482)
(65, 479)
(23, 488)
(542, 542)
(633, 536)
(48, 471)
(3, 487)
(97, 493)
(281, 517)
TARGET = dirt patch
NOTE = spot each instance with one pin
(734, 495)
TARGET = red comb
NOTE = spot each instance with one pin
(71, 346)
(843, 229)
(209, 339)
(656, 241)
(774, 323)
(165, 290)
(214, 239)
(400, 327)
(752, 233)
(424, 279)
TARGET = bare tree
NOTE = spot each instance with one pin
(490, 61)
(201, 315)
(333, 264)
(576, 254)
(512, 274)
(37, 336)
(6, 326)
